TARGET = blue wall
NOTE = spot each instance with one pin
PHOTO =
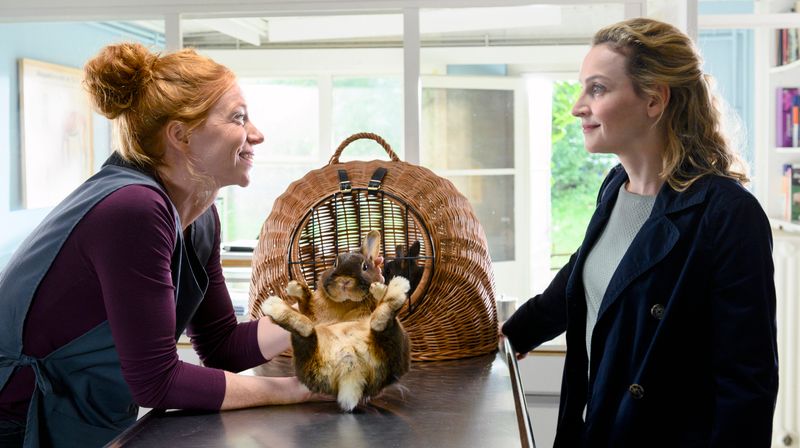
(69, 44)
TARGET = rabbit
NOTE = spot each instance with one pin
(346, 338)
(405, 265)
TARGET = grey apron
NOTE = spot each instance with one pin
(80, 398)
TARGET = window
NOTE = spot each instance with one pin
(474, 133)
(468, 136)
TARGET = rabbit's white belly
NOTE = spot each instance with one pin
(344, 348)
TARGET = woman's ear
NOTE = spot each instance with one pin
(658, 102)
(176, 134)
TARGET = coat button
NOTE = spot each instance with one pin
(657, 311)
(636, 391)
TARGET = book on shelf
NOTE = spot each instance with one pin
(788, 46)
(787, 119)
(791, 191)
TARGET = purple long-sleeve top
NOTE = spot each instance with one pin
(115, 266)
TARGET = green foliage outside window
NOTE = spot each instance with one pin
(575, 177)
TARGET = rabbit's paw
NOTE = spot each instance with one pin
(387, 308)
(286, 317)
(378, 290)
(275, 308)
(294, 289)
(398, 286)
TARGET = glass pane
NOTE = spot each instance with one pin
(244, 210)
(368, 105)
(492, 198)
(467, 128)
(286, 111)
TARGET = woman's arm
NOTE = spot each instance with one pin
(131, 248)
(744, 343)
(272, 339)
(249, 391)
(541, 318)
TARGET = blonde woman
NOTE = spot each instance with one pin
(669, 303)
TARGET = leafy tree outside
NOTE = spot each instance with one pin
(576, 176)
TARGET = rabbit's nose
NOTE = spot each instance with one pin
(347, 282)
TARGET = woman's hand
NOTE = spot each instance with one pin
(245, 391)
(502, 336)
(309, 395)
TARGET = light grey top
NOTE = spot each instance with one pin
(629, 214)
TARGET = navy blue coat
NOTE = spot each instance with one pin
(684, 352)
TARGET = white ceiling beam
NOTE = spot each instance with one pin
(485, 19)
(236, 28)
(389, 61)
(289, 29)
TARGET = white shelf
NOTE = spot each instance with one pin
(770, 157)
(785, 68)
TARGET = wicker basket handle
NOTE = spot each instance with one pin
(335, 157)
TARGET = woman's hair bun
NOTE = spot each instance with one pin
(115, 77)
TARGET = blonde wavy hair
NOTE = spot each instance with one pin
(142, 91)
(659, 54)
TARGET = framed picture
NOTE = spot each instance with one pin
(56, 132)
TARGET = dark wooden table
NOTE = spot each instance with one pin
(474, 402)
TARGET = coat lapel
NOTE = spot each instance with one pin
(654, 241)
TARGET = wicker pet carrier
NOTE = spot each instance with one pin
(427, 226)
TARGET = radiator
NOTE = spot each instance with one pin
(786, 254)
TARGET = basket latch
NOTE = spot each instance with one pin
(375, 183)
(344, 183)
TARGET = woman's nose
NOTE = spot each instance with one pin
(579, 109)
(254, 136)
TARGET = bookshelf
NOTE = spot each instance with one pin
(771, 153)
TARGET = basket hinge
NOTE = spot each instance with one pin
(375, 183)
(344, 183)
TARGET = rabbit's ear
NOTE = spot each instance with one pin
(414, 250)
(400, 251)
(371, 246)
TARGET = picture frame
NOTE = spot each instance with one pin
(56, 140)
